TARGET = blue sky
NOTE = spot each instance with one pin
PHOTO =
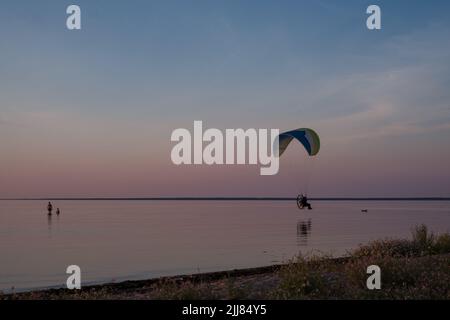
(139, 69)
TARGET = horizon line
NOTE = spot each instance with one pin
(234, 198)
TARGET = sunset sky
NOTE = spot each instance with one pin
(90, 112)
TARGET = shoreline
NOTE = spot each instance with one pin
(260, 283)
(416, 269)
(136, 284)
(130, 286)
(281, 281)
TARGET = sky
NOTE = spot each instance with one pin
(89, 113)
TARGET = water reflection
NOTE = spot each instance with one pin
(49, 222)
(303, 232)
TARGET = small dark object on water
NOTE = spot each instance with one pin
(57, 211)
(302, 202)
(364, 210)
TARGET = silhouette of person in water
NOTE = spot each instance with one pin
(57, 211)
(49, 208)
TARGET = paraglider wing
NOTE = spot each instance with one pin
(307, 137)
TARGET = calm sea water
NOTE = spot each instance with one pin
(119, 240)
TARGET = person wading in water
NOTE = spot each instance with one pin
(49, 208)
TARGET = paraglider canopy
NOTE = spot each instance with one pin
(307, 137)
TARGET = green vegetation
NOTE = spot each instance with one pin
(423, 243)
(410, 269)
